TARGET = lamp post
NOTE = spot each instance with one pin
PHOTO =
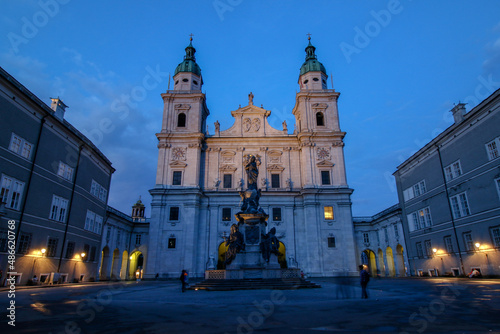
(38, 254)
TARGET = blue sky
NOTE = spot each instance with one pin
(399, 66)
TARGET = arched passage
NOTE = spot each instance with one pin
(391, 271)
(136, 265)
(282, 256)
(116, 265)
(368, 258)
(123, 271)
(381, 265)
(400, 262)
(103, 274)
(222, 256)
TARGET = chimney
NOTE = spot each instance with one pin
(458, 112)
(59, 107)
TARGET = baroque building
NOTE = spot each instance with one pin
(449, 194)
(302, 177)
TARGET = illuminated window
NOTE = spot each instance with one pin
(171, 242)
(174, 213)
(226, 214)
(276, 214)
(177, 178)
(328, 212)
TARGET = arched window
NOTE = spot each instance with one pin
(181, 120)
(320, 120)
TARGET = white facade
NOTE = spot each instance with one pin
(301, 175)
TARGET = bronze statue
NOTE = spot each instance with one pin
(235, 242)
(252, 173)
(269, 244)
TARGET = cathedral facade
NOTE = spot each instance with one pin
(301, 175)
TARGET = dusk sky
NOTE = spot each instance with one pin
(400, 66)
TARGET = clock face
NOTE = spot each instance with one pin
(323, 153)
(178, 153)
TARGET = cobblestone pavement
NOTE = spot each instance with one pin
(404, 305)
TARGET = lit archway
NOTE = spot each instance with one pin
(136, 265)
(103, 274)
(368, 258)
(123, 271)
(390, 262)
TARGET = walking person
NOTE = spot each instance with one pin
(184, 279)
(365, 278)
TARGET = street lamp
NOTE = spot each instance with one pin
(43, 251)
(477, 244)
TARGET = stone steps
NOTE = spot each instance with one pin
(253, 284)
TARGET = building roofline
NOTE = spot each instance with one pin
(44, 107)
(473, 112)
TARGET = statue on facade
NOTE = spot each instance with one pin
(235, 244)
(269, 244)
(252, 173)
(285, 128)
(217, 126)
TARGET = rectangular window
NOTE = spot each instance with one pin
(52, 247)
(328, 212)
(495, 236)
(58, 208)
(3, 240)
(93, 222)
(118, 237)
(448, 244)
(24, 243)
(98, 224)
(65, 171)
(453, 171)
(469, 244)
(138, 238)
(11, 192)
(492, 149)
(276, 214)
(428, 248)
(171, 242)
(92, 253)
(108, 234)
(325, 177)
(228, 181)
(174, 213)
(497, 182)
(70, 249)
(396, 231)
(331, 242)
(86, 250)
(98, 191)
(226, 214)
(420, 252)
(366, 238)
(275, 180)
(20, 146)
(177, 178)
(459, 205)
(414, 191)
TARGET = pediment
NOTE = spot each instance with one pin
(325, 163)
(275, 168)
(178, 164)
(227, 168)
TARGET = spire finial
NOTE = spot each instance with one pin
(308, 36)
(191, 37)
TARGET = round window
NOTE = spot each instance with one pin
(306, 81)
(195, 82)
(315, 79)
(185, 80)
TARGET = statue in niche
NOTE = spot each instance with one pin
(252, 173)
(235, 244)
(269, 244)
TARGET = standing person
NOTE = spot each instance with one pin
(365, 278)
(184, 279)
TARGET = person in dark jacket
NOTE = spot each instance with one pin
(184, 280)
(365, 278)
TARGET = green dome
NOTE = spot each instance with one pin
(311, 64)
(189, 62)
